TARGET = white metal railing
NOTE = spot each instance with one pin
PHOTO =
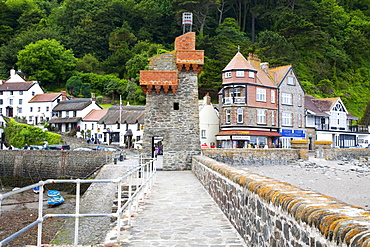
(141, 176)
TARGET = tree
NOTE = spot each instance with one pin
(73, 85)
(47, 61)
(86, 90)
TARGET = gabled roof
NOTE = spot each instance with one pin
(129, 114)
(73, 105)
(238, 62)
(325, 104)
(64, 120)
(279, 73)
(17, 86)
(46, 97)
(312, 107)
(95, 115)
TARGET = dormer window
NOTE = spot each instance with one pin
(251, 74)
(228, 74)
(239, 73)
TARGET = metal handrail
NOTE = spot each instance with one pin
(146, 184)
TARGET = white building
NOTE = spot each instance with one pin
(15, 94)
(122, 126)
(41, 105)
(209, 122)
(89, 125)
(327, 119)
(69, 112)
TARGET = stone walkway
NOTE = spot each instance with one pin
(178, 212)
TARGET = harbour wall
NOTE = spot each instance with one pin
(45, 164)
(267, 212)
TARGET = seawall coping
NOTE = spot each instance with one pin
(337, 221)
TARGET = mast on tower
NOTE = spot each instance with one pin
(187, 22)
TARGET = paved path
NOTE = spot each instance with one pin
(178, 212)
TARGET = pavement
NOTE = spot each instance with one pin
(178, 212)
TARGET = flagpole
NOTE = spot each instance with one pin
(120, 109)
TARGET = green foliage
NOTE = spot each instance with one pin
(73, 85)
(18, 134)
(86, 90)
(46, 60)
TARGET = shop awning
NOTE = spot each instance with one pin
(248, 133)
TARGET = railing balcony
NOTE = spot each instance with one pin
(234, 100)
(359, 128)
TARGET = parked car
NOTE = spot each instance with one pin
(58, 147)
(36, 147)
(83, 149)
(109, 149)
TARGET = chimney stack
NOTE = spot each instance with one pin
(64, 95)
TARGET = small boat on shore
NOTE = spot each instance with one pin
(55, 200)
(53, 193)
(36, 189)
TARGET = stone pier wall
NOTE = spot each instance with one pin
(267, 212)
(45, 164)
(340, 153)
(255, 157)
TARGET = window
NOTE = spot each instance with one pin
(272, 118)
(138, 127)
(286, 98)
(299, 100)
(240, 115)
(10, 101)
(272, 96)
(1, 92)
(38, 109)
(237, 92)
(20, 101)
(47, 108)
(239, 73)
(92, 126)
(85, 126)
(251, 74)
(203, 133)
(118, 125)
(176, 106)
(291, 80)
(1, 101)
(30, 118)
(300, 121)
(228, 74)
(261, 116)
(20, 92)
(1, 110)
(74, 114)
(67, 113)
(126, 126)
(31, 109)
(11, 92)
(227, 116)
(261, 94)
(287, 119)
(33, 93)
(20, 110)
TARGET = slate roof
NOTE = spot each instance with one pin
(46, 97)
(95, 115)
(72, 105)
(325, 104)
(65, 120)
(129, 114)
(312, 107)
(16, 86)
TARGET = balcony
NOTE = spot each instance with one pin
(359, 128)
(234, 100)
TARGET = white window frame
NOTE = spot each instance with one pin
(20, 101)
(239, 116)
(10, 101)
(227, 115)
(237, 92)
(261, 116)
(287, 99)
(203, 133)
(291, 80)
(240, 73)
(261, 94)
(251, 74)
(272, 96)
(286, 119)
(19, 109)
(228, 74)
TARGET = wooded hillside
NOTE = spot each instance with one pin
(104, 43)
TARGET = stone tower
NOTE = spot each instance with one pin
(171, 112)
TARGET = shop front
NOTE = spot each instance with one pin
(247, 139)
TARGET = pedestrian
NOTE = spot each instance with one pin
(10, 147)
(88, 140)
(25, 146)
(92, 140)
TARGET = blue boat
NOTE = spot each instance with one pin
(53, 193)
(36, 189)
(55, 200)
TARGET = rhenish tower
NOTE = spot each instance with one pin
(171, 112)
